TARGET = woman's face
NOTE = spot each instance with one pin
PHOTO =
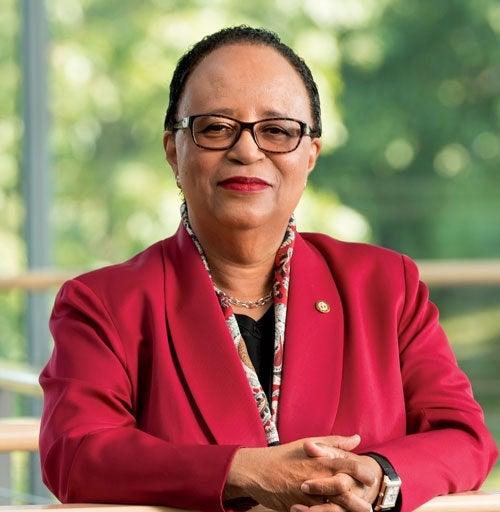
(242, 187)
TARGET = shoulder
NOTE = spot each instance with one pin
(139, 265)
(336, 249)
(361, 260)
(141, 274)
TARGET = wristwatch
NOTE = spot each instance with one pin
(390, 487)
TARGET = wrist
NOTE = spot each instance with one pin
(390, 486)
(234, 485)
(375, 468)
(240, 478)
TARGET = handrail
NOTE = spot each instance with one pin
(35, 280)
(19, 378)
(482, 272)
(19, 434)
(89, 507)
(461, 502)
(460, 272)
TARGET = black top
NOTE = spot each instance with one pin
(259, 339)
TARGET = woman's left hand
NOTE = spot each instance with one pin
(341, 491)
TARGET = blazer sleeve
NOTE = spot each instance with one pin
(447, 447)
(90, 445)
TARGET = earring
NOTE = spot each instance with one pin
(178, 181)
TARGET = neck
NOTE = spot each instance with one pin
(241, 261)
(242, 274)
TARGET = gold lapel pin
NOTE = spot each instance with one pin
(322, 306)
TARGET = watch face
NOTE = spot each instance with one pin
(391, 495)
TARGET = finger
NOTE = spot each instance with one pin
(324, 506)
(328, 507)
(347, 443)
(342, 462)
(320, 447)
(337, 483)
(299, 508)
(345, 478)
(317, 449)
(348, 501)
(330, 486)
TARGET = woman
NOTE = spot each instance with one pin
(239, 362)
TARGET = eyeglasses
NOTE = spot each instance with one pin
(217, 132)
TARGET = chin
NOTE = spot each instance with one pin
(251, 219)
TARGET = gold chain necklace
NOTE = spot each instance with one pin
(250, 304)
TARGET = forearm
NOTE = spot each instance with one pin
(125, 465)
(438, 462)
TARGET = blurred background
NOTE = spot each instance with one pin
(411, 111)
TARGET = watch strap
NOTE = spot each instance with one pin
(385, 465)
(389, 497)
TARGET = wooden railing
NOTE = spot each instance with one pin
(19, 434)
(466, 502)
(19, 378)
(460, 272)
(35, 280)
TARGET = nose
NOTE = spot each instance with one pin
(246, 147)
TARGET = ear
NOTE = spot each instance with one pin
(170, 150)
(314, 152)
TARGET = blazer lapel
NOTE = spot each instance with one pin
(205, 349)
(313, 349)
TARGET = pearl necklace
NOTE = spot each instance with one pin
(250, 304)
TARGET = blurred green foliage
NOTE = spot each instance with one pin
(411, 110)
(421, 106)
(411, 113)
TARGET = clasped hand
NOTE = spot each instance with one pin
(319, 473)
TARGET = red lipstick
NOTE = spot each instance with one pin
(244, 184)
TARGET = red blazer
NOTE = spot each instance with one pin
(146, 401)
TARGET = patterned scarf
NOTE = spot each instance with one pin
(268, 412)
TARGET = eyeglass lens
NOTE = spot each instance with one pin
(278, 135)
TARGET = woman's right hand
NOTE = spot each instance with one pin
(273, 476)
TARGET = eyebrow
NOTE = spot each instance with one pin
(231, 113)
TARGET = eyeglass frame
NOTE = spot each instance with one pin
(188, 121)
